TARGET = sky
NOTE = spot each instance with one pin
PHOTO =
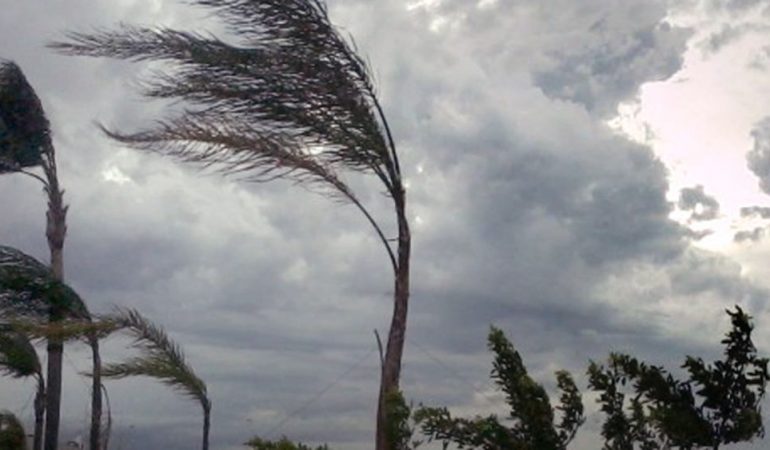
(590, 176)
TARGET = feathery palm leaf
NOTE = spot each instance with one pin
(292, 91)
(160, 357)
(29, 288)
(24, 130)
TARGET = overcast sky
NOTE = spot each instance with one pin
(590, 176)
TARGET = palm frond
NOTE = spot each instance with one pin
(18, 357)
(64, 330)
(160, 357)
(291, 82)
(28, 288)
(24, 129)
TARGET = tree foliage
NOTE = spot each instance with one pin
(281, 444)
(532, 418)
(644, 406)
(718, 403)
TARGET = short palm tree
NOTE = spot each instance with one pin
(30, 290)
(25, 143)
(159, 358)
(12, 435)
(19, 359)
(290, 99)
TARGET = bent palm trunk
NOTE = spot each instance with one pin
(391, 370)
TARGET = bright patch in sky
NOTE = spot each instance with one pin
(115, 175)
(699, 121)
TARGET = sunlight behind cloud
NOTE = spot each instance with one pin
(115, 175)
(699, 121)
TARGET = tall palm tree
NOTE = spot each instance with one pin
(25, 143)
(159, 358)
(291, 99)
(18, 359)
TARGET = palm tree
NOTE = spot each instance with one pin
(30, 290)
(18, 359)
(160, 358)
(290, 100)
(25, 143)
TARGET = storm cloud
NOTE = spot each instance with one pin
(528, 211)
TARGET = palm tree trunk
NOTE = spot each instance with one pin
(56, 230)
(105, 444)
(37, 439)
(206, 425)
(53, 397)
(391, 370)
(96, 395)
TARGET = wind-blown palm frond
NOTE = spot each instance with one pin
(18, 358)
(24, 130)
(292, 100)
(29, 288)
(292, 82)
(159, 358)
(64, 330)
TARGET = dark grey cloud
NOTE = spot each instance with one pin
(736, 6)
(754, 235)
(725, 36)
(601, 75)
(759, 156)
(700, 205)
(527, 212)
(760, 60)
(756, 211)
